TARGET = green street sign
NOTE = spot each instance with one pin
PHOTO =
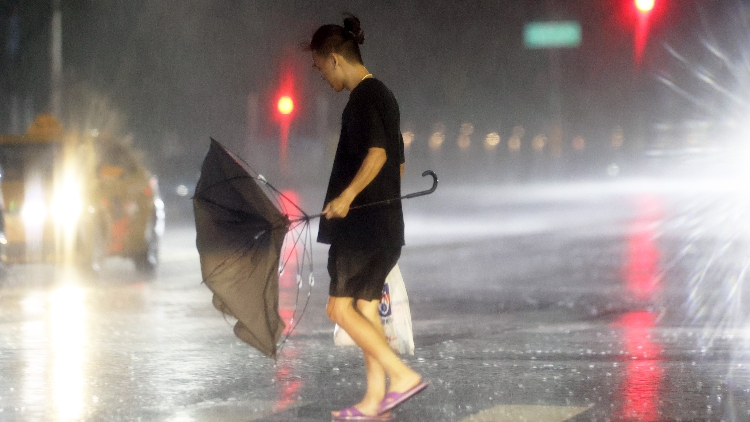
(559, 34)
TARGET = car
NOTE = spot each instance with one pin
(78, 199)
(125, 212)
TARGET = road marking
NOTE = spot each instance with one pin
(526, 413)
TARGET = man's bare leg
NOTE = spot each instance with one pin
(372, 342)
(376, 379)
(375, 373)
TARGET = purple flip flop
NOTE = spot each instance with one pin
(353, 414)
(395, 399)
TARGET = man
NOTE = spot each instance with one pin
(365, 242)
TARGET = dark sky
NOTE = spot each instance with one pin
(174, 72)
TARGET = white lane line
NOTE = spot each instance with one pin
(520, 413)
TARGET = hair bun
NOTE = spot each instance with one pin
(354, 29)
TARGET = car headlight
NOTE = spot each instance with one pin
(66, 206)
(34, 212)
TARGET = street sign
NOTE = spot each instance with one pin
(553, 34)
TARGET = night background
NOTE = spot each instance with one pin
(171, 74)
(583, 258)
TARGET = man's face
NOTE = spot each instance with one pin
(326, 65)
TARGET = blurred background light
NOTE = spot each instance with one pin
(408, 138)
(464, 137)
(539, 142)
(618, 137)
(514, 143)
(491, 141)
(579, 143)
(438, 136)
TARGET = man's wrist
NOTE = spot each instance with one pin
(348, 195)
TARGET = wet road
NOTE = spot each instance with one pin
(586, 301)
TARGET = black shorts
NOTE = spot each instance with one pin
(360, 273)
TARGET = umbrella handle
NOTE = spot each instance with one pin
(424, 192)
(388, 201)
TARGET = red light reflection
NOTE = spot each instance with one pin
(643, 373)
(289, 201)
(641, 270)
(287, 383)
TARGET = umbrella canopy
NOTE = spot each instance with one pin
(240, 233)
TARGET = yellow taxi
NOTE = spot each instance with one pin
(77, 199)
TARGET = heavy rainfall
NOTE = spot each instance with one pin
(583, 259)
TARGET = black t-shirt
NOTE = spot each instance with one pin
(370, 119)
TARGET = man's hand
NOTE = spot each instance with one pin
(339, 207)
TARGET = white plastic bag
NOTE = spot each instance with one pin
(395, 315)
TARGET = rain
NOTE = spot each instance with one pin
(583, 258)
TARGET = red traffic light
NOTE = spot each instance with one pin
(644, 6)
(285, 105)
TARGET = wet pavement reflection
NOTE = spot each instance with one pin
(643, 373)
(613, 304)
(288, 381)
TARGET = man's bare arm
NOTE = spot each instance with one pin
(373, 162)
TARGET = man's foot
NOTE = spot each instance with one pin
(396, 398)
(405, 382)
(354, 414)
(367, 406)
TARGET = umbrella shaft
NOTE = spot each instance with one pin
(387, 201)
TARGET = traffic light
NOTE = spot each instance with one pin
(284, 114)
(644, 6)
(285, 105)
(644, 10)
